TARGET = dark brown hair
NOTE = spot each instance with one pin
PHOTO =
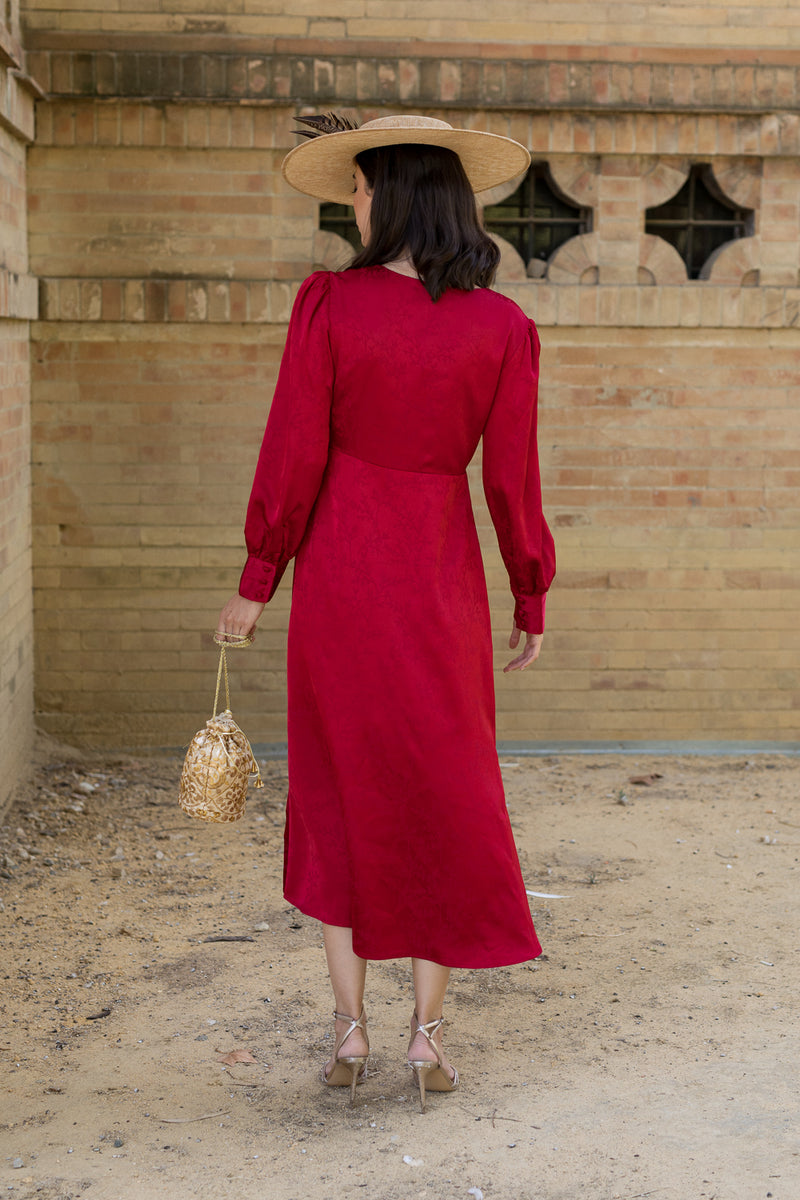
(423, 206)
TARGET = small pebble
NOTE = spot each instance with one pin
(261, 927)
(17, 1163)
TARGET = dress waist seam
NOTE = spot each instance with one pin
(400, 470)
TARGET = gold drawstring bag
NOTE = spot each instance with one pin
(219, 761)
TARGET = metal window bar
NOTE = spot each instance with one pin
(537, 218)
(703, 220)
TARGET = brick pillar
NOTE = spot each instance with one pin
(18, 304)
(620, 216)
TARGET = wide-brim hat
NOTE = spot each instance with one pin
(323, 165)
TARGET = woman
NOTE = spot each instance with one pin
(397, 835)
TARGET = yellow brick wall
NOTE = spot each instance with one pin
(624, 23)
(16, 644)
(169, 250)
(669, 466)
(145, 440)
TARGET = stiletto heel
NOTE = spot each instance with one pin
(429, 1074)
(350, 1069)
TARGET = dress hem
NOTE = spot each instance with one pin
(487, 963)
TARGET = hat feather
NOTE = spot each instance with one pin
(329, 122)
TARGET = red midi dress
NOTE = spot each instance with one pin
(396, 821)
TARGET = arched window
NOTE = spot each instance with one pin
(698, 220)
(537, 218)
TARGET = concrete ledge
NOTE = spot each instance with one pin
(710, 749)
(548, 749)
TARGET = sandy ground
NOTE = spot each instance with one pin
(651, 1052)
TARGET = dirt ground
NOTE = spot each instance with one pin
(652, 1051)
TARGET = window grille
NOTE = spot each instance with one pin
(340, 218)
(698, 220)
(537, 218)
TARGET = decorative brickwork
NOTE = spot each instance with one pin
(460, 78)
(674, 304)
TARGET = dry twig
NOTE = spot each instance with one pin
(189, 1120)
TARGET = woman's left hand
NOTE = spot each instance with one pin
(239, 616)
(533, 644)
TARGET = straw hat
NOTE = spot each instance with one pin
(323, 165)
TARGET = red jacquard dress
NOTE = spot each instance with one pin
(396, 818)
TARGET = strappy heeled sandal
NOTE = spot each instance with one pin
(350, 1069)
(431, 1076)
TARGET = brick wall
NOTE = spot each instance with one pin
(145, 441)
(17, 306)
(671, 469)
(667, 427)
(671, 482)
(624, 23)
(169, 251)
(16, 646)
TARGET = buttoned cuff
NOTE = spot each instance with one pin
(259, 579)
(529, 613)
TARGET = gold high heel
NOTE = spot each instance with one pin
(429, 1074)
(349, 1070)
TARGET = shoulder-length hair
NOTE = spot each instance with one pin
(424, 207)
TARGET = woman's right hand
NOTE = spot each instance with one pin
(239, 617)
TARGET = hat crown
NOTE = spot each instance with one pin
(405, 121)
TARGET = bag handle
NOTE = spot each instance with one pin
(242, 640)
(228, 641)
(222, 673)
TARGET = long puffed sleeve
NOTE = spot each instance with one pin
(511, 480)
(294, 451)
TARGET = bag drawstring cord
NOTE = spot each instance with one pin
(222, 673)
